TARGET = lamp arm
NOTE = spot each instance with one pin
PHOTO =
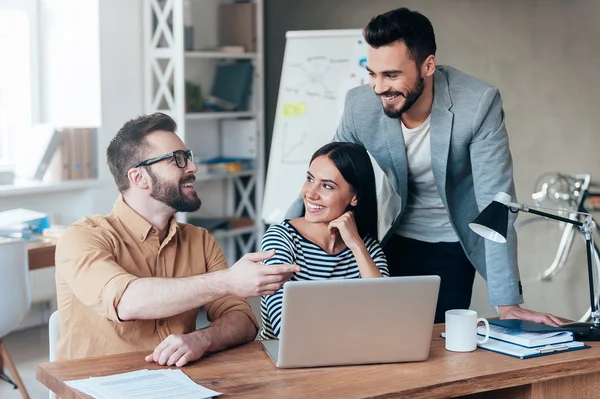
(586, 227)
(583, 331)
(513, 206)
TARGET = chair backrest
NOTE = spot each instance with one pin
(53, 330)
(53, 334)
(15, 298)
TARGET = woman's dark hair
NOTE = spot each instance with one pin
(402, 24)
(354, 164)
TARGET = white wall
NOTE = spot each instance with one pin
(121, 82)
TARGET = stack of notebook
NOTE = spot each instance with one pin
(525, 339)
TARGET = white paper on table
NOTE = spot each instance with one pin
(145, 384)
(80, 385)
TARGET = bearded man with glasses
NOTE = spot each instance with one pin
(135, 279)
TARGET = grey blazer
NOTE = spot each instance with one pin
(471, 162)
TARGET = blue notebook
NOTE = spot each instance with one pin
(526, 333)
(525, 325)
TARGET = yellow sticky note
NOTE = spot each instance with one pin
(294, 109)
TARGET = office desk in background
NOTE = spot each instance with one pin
(248, 372)
(41, 254)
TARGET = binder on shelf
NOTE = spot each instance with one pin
(51, 149)
(78, 153)
(65, 154)
(35, 151)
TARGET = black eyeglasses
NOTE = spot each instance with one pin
(181, 158)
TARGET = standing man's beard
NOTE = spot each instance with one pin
(410, 98)
(171, 194)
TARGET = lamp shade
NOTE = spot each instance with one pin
(492, 222)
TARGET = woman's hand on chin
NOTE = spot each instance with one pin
(345, 226)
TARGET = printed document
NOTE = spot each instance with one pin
(147, 384)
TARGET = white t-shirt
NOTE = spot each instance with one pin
(425, 218)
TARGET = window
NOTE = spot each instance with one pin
(15, 80)
(17, 26)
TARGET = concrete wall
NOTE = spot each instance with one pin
(543, 56)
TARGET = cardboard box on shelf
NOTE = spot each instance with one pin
(237, 25)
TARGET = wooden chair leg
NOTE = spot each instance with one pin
(13, 370)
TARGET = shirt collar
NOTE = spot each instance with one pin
(139, 226)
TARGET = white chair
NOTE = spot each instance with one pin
(53, 331)
(15, 298)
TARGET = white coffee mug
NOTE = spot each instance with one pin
(461, 330)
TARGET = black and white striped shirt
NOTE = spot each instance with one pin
(315, 264)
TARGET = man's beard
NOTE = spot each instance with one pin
(170, 194)
(410, 98)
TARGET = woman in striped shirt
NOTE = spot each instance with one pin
(337, 236)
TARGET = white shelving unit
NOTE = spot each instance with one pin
(168, 67)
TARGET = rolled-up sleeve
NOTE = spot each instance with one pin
(215, 260)
(85, 261)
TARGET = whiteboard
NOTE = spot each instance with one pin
(319, 67)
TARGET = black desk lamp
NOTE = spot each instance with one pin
(492, 224)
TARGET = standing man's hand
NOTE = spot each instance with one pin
(248, 278)
(180, 349)
(517, 312)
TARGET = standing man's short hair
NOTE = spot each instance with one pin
(129, 146)
(402, 24)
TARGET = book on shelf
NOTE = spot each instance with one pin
(528, 335)
(52, 147)
(78, 153)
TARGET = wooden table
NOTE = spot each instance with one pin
(248, 372)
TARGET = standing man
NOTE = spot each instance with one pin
(439, 136)
(134, 279)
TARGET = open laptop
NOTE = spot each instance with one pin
(358, 321)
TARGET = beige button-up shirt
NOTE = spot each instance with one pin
(99, 256)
